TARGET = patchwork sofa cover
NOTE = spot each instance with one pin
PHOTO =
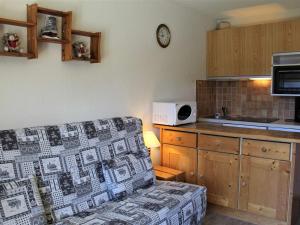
(71, 164)
(165, 203)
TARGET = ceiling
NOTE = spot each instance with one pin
(224, 8)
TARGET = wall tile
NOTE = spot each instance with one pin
(245, 98)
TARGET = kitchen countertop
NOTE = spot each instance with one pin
(219, 129)
(277, 124)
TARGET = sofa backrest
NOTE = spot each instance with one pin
(60, 154)
(113, 136)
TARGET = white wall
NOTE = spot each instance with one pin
(134, 70)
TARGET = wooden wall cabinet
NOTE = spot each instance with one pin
(265, 187)
(285, 36)
(255, 52)
(181, 158)
(219, 172)
(223, 52)
(246, 51)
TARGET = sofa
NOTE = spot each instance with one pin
(92, 172)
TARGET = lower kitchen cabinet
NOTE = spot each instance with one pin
(264, 187)
(181, 158)
(219, 172)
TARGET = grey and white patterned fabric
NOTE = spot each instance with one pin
(166, 203)
(78, 184)
(65, 159)
(68, 162)
(127, 173)
(20, 203)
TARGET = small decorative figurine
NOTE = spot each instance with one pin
(80, 50)
(11, 43)
(50, 30)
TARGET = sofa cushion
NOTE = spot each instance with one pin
(166, 203)
(71, 182)
(112, 137)
(64, 158)
(127, 173)
(20, 203)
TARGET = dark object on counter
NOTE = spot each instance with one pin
(297, 109)
(225, 111)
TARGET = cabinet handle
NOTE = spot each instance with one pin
(192, 174)
(264, 149)
(178, 138)
(244, 184)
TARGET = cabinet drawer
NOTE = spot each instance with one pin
(266, 149)
(219, 143)
(180, 138)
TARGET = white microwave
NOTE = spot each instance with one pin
(174, 113)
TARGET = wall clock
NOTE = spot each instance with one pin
(163, 35)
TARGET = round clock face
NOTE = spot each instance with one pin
(163, 35)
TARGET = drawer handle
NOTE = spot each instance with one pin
(264, 149)
(178, 138)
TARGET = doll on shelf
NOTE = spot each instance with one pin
(11, 43)
(80, 50)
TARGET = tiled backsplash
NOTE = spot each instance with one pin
(246, 98)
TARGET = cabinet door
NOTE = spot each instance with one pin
(223, 52)
(256, 53)
(219, 172)
(265, 187)
(285, 36)
(181, 158)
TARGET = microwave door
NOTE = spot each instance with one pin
(286, 81)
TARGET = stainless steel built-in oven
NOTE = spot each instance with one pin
(286, 74)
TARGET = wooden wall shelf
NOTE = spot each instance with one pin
(15, 23)
(52, 12)
(50, 40)
(16, 54)
(80, 59)
(29, 24)
(95, 38)
(84, 33)
(66, 35)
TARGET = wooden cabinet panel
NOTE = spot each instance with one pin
(181, 158)
(180, 138)
(223, 52)
(264, 187)
(266, 149)
(219, 172)
(248, 50)
(256, 53)
(285, 36)
(219, 143)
